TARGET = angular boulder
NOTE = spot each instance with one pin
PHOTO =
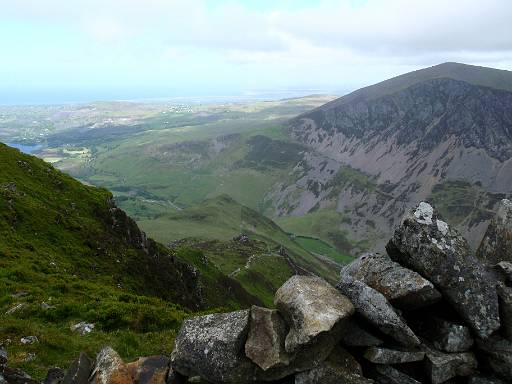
(79, 370)
(339, 367)
(426, 244)
(54, 376)
(379, 355)
(496, 244)
(149, 370)
(445, 335)
(265, 343)
(497, 353)
(212, 347)
(402, 287)
(373, 306)
(355, 336)
(441, 367)
(311, 307)
(110, 369)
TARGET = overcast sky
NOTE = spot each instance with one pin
(76, 50)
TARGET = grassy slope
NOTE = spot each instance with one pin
(63, 243)
(222, 218)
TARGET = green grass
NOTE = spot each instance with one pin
(322, 248)
(64, 243)
(323, 225)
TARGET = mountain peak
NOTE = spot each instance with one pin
(472, 74)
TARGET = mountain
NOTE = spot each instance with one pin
(443, 134)
(69, 255)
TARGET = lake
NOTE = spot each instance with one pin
(26, 148)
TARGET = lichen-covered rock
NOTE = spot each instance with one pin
(311, 306)
(355, 336)
(386, 374)
(426, 244)
(149, 370)
(339, 367)
(445, 335)
(265, 343)
(497, 353)
(505, 300)
(110, 369)
(212, 347)
(79, 371)
(379, 355)
(496, 244)
(441, 366)
(402, 287)
(376, 309)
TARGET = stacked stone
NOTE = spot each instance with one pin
(428, 311)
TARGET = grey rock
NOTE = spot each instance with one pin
(29, 340)
(212, 347)
(402, 287)
(265, 343)
(54, 376)
(386, 374)
(445, 335)
(379, 355)
(355, 336)
(505, 300)
(2, 379)
(426, 244)
(110, 369)
(311, 306)
(497, 353)
(339, 367)
(496, 244)
(79, 370)
(441, 367)
(376, 309)
(480, 379)
(82, 328)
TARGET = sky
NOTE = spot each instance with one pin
(75, 50)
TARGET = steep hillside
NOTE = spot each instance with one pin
(443, 133)
(68, 254)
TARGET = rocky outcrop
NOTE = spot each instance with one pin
(401, 286)
(373, 306)
(352, 334)
(301, 299)
(265, 343)
(110, 369)
(496, 246)
(212, 347)
(425, 243)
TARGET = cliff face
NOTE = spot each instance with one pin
(433, 138)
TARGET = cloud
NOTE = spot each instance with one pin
(319, 43)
